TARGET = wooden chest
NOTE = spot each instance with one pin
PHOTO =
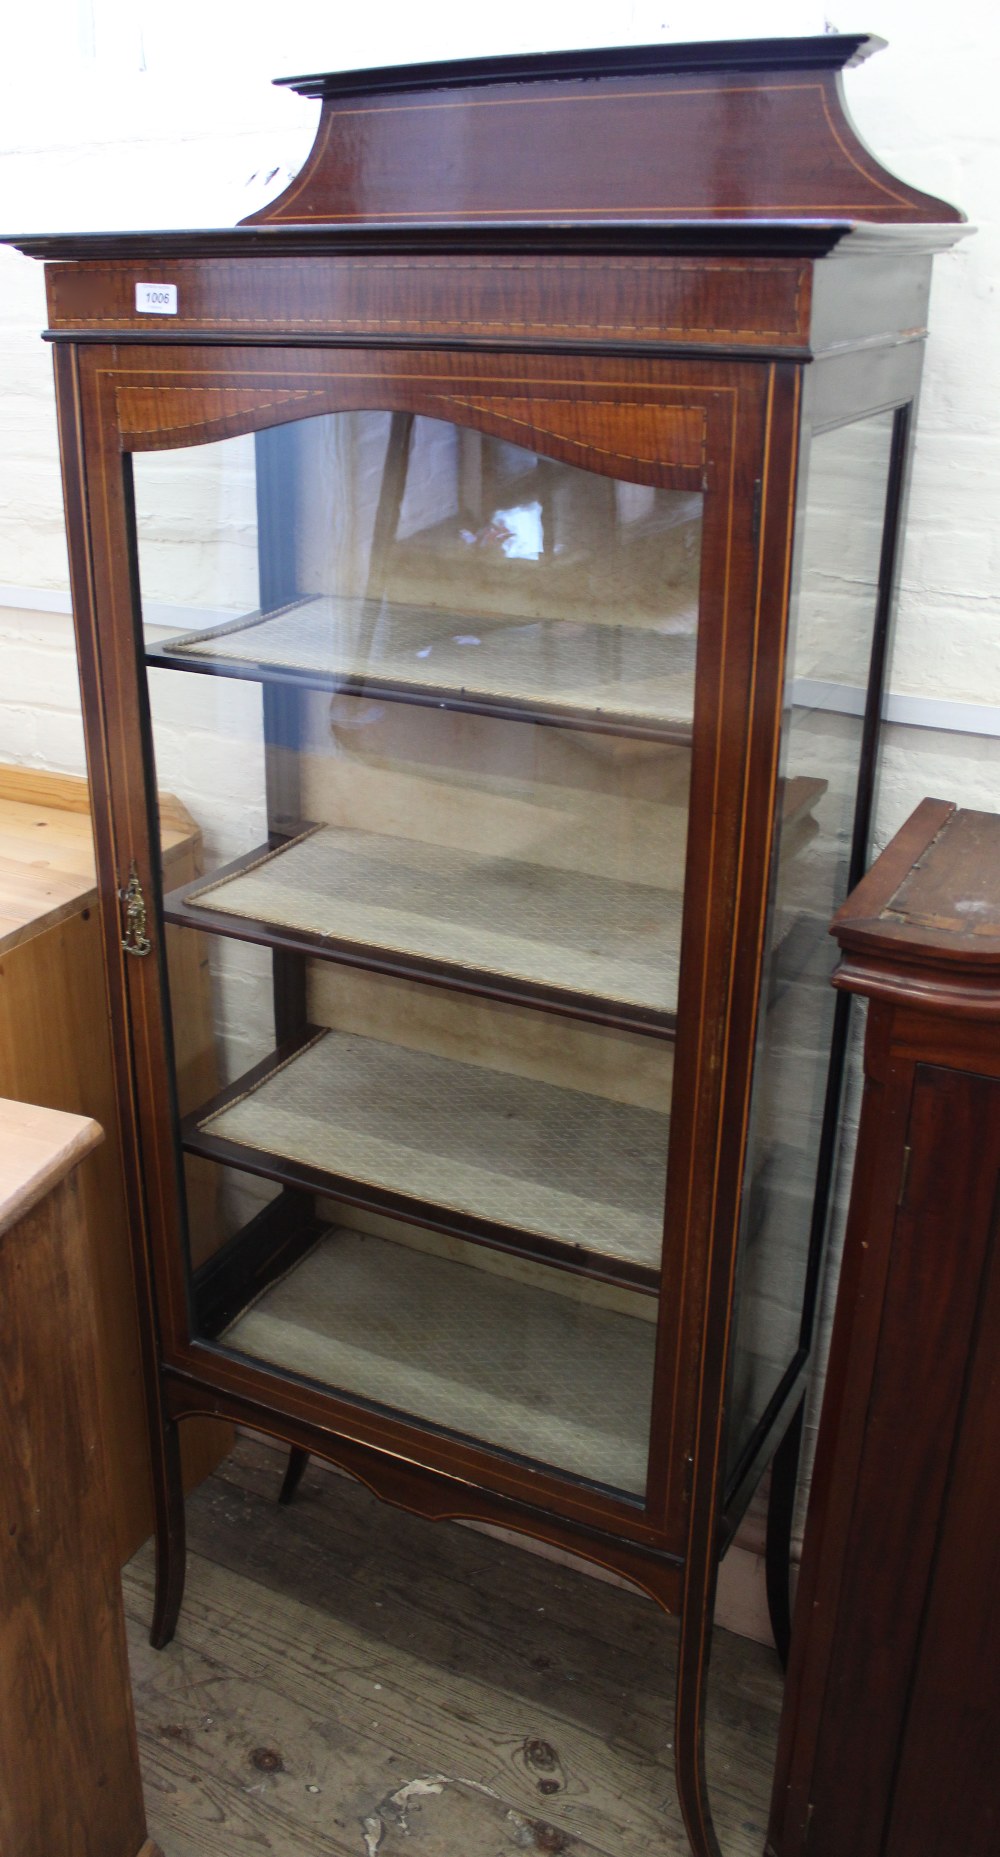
(55, 1050)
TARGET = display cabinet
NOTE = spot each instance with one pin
(493, 541)
(893, 1678)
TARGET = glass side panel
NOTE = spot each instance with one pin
(839, 549)
(428, 697)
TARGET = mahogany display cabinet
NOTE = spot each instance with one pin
(493, 540)
(892, 1702)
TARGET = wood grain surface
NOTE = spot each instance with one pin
(69, 1781)
(55, 1050)
(722, 137)
(47, 870)
(893, 1671)
(37, 1148)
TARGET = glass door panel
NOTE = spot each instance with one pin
(429, 697)
(388, 532)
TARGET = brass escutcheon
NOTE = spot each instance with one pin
(135, 940)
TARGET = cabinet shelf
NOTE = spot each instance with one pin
(557, 1174)
(604, 950)
(529, 1371)
(599, 949)
(627, 680)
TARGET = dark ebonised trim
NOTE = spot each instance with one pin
(591, 721)
(761, 1445)
(742, 237)
(830, 52)
(252, 1260)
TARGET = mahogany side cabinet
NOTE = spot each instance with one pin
(493, 542)
(892, 1703)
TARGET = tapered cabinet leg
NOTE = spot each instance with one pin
(171, 1552)
(689, 1721)
(294, 1472)
(689, 1756)
(780, 1514)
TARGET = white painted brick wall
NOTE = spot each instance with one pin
(131, 136)
(103, 123)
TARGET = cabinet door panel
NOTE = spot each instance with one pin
(447, 736)
(431, 687)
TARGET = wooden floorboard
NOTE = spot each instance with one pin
(349, 1680)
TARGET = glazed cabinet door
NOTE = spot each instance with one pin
(458, 666)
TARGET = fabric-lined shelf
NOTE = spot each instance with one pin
(561, 1174)
(608, 949)
(632, 679)
(530, 1371)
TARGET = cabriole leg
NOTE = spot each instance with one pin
(171, 1553)
(780, 1514)
(294, 1472)
(689, 1721)
(689, 1731)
